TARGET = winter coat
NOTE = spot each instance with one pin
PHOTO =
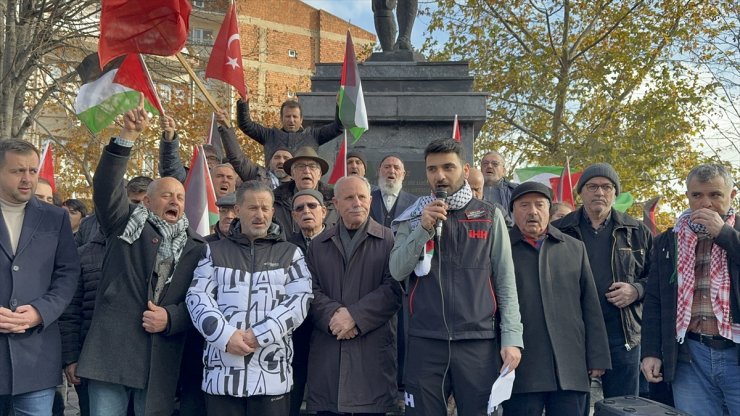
(117, 348)
(632, 243)
(379, 213)
(43, 273)
(356, 375)
(75, 321)
(659, 318)
(274, 138)
(284, 206)
(239, 284)
(563, 328)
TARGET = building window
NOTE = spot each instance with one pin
(200, 37)
(198, 4)
(292, 53)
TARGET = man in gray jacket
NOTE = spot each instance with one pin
(455, 303)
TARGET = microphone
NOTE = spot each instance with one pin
(439, 194)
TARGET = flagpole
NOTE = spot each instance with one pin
(345, 152)
(200, 85)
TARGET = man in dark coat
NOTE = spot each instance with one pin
(389, 199)
(292, 135)
(308, 212)
(39, 268)
(563, 329)
(691, 325)
(352, 360)
(136, 338)
(306, 169)
(618, 248)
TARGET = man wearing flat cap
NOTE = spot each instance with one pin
(618, 248)
(563, 329)
(308, 213)
(226, 216)
(306, 168)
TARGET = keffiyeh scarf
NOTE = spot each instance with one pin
(456, 201)
(686, 240)
(174, 236)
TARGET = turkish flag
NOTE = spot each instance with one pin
(225, 62)
(155, 27)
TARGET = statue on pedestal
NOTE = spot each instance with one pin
(385, 24)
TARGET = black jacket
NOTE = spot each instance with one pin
(564, 332)
(75, 321)
(243, 165)
(284, 204)
(117, 349)
(659, 319)
(379, 213)
(274, 138)
(631, 247)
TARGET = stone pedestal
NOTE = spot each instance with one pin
(409, 104)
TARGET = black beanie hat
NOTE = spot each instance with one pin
(358, 155)
(604, 170)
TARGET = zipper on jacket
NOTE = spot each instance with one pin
(614, 279)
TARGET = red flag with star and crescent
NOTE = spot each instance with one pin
(225, 62)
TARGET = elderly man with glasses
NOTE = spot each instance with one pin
(306, 169)
(618, 248)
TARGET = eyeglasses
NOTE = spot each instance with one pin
(310, 205)
(312, 166)
(489, 163)
(592, 187)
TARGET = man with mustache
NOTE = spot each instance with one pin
(250, 291)
(497, 188)
(352, 360)
(454, 302)
(692, 304)
(134, 346)
(563, 329)
(389, 199)
(306, 169)
(618, 248)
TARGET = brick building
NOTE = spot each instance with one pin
(281, 40)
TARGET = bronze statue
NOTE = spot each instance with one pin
(385, 24)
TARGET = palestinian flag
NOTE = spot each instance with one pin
(200, 197)
(456, 130)
(103, 95)
(541, 174)
(340, 164)
(649, 208)
(424, 266)
(351, 101)
(100, 99)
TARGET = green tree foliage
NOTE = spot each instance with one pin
(594, 80)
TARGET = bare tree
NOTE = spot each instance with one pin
(38, 37)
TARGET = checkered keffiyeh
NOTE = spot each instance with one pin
(686, 233)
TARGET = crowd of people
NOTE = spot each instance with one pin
(357, 298)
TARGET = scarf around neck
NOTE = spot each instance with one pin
(174, 236)
(456, 201)
(687, 235)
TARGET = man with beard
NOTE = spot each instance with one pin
(455, 303)
(389, 200)
(691, 320)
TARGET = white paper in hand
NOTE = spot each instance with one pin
(501, 390)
